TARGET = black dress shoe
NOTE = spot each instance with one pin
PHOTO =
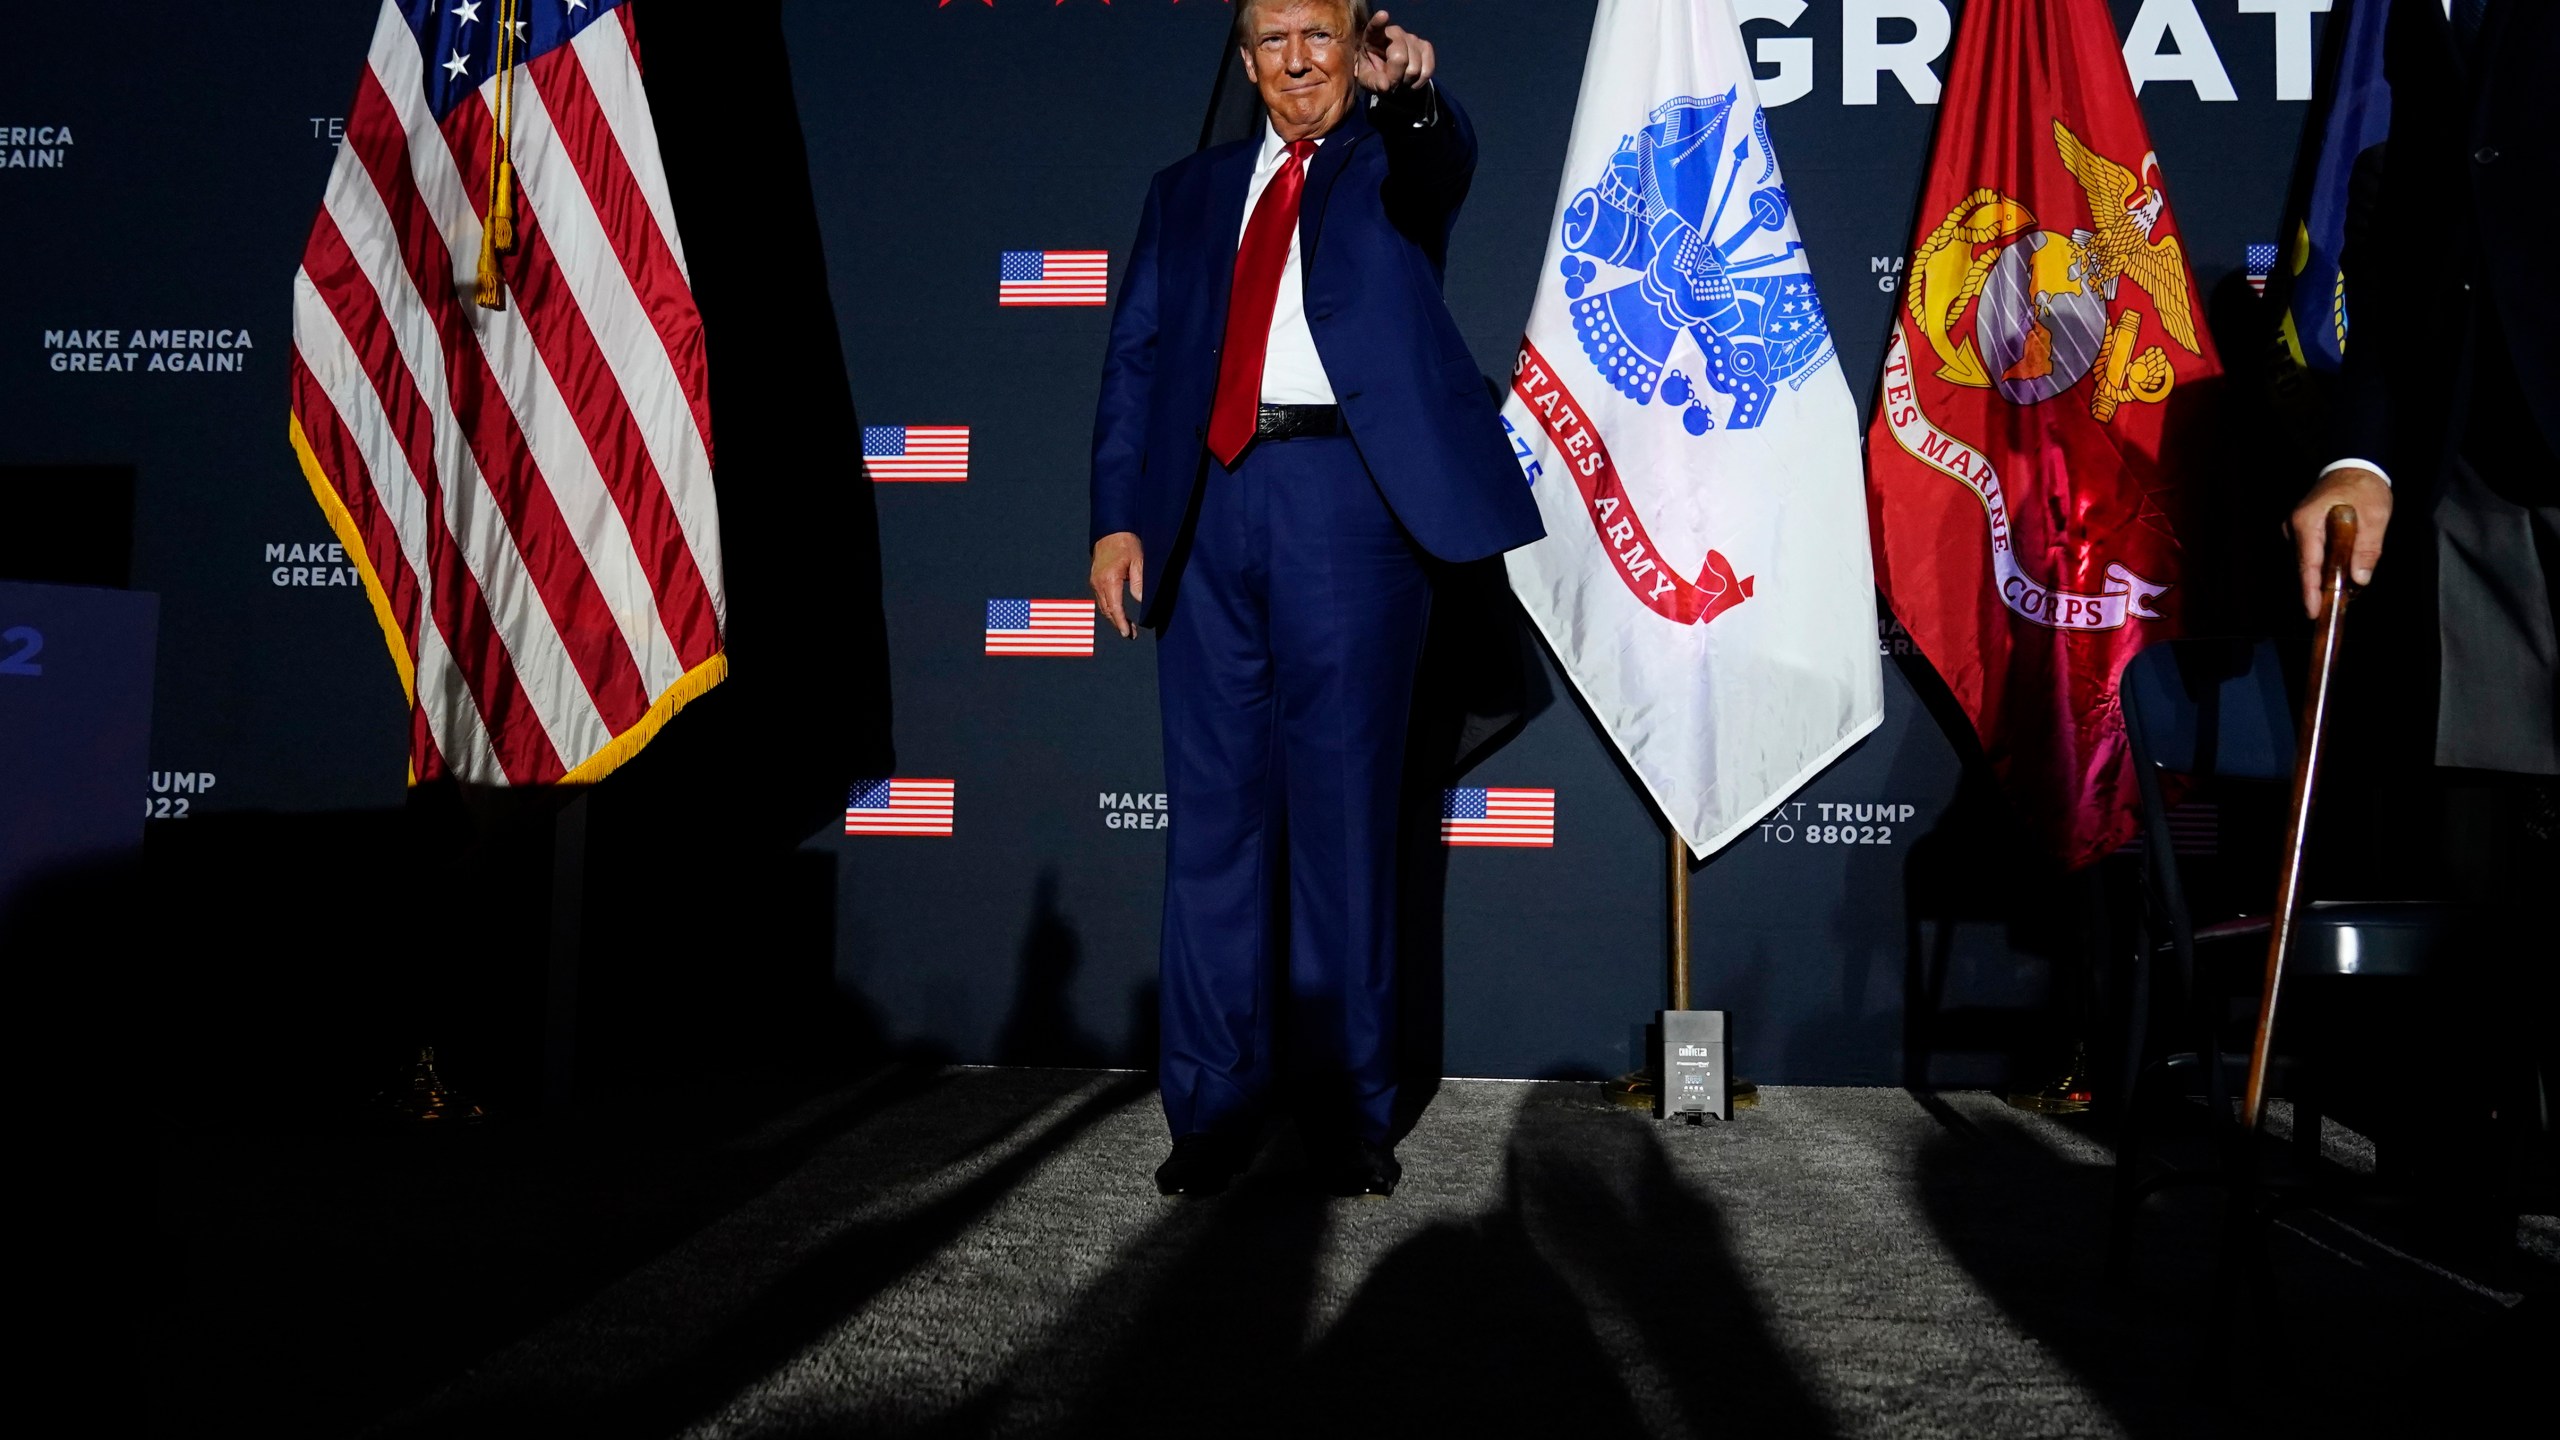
(1362, 1167)
(1199, 1165)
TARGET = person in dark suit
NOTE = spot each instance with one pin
(1290, 429)
(2450, 404)
(2449, 424)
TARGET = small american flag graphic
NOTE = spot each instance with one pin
(1498, 817)
(916, 452)
(2259, 261)
(1040, 627)
(2195, 828)
(899, 807)
(1054, 277)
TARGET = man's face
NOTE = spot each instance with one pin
(1300, 54)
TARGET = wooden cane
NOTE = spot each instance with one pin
(2334, 590)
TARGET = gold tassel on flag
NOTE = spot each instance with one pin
(502, 202)
(489, 294)
(498, 233)
(502, 212)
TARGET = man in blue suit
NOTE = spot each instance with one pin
(1291, 430)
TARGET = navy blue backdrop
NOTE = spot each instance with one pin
(159, 170)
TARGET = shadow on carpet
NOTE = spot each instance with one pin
(986, 1256)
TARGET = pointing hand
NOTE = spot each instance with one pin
(1392, 57)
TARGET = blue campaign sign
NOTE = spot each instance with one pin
(75, 728)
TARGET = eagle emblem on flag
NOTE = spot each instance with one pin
(2039, 301)
(1722, 273)
(2049, 395)
(1705, 580)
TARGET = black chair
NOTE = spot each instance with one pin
(2217, 712)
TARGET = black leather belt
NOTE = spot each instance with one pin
(1297, 422)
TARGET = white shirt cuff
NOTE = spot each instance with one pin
(2351, 462)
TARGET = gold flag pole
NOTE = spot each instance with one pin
(1638, 1088)
(1679, 922)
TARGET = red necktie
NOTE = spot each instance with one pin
(1260, 259)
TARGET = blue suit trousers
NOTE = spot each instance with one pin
(1286, 668)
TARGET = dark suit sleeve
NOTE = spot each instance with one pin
(2362, 422)
(1431, 157)
(2362, 429)
(1128, 383)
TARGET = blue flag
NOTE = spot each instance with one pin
(2314, 326)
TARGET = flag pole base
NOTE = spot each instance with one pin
(1635, 1090)
(2068, 1094)
(427, 1100)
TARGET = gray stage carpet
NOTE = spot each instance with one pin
(980, 1252)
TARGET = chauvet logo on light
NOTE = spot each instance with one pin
(123, 351)
(34, 147)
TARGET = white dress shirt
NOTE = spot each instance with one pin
(1292, 372)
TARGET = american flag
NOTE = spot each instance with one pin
(900, 807)
(2195, 828)
(1054, 277)
(1040, 627)
(2259, 261)
(1498, 817)
(916, 452)
(526, 490)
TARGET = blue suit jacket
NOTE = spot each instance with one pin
(1373, 235)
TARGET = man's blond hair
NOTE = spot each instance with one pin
(1359, 22)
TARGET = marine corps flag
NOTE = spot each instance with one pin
(2023, 462)
(1682, 420)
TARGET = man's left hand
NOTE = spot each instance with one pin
(2370, 496)
(1393, 58)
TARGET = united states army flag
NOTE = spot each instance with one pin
(1680, 416)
